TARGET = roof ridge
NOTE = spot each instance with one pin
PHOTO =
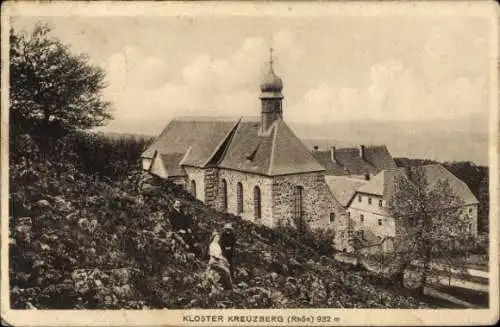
(228, 137)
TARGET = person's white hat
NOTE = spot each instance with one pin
(228, 226)
(177, 203)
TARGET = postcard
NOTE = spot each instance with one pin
(249, 164)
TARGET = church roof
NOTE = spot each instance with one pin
(278, 152)
(200, 135)
(233, 143)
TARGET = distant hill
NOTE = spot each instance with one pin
(461, 139)
(115, 136)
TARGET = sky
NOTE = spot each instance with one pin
(338, 68)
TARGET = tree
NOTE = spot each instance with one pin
(429, 225)
(52, 90)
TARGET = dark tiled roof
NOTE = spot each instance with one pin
(201, 136)
(332, 168)
(348, 161)
(290, 155)
(278, 152)
(379, 157)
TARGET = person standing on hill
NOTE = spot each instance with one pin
(218, 263)
(181, 223)
(227, 242)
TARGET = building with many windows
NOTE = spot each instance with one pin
(368, 219)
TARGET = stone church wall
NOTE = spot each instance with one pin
(317, 204)
(248, 181)
(198, 176)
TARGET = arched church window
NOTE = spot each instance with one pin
(224, 195)
(239, 198)
(193, 188)
(257, 202)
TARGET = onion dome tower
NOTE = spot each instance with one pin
(271, 97)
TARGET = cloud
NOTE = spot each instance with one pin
(207, 86)
(443, 79)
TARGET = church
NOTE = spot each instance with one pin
(254, 167)
(258, 169)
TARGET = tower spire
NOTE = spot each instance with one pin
(271, 97)
(271, 61)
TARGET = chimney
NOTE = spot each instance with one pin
(362, 152)
(332, 154)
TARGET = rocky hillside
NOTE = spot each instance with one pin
(82, 241)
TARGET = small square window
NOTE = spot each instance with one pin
(362, 218)
(379, 203)
(359, 198)
(370, 201)
(380, 222)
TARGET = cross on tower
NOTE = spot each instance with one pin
(271, 58)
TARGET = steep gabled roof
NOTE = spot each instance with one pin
(203, 135)
(277, 152)
(343, 188)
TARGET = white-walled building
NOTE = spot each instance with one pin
(366, 202)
